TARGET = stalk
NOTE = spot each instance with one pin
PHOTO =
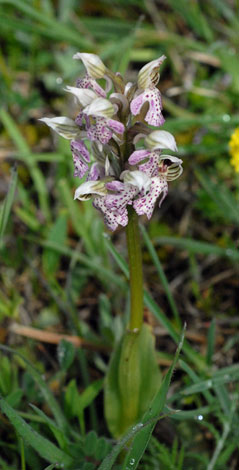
(136, 271)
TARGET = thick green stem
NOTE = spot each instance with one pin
(136, 271)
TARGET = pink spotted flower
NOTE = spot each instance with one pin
(111, 118)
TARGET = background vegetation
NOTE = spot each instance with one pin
(62, 273)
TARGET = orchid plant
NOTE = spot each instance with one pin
(126, 172)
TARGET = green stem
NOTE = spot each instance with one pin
(136, 271)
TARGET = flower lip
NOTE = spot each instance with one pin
(161, 140)
(93, 64)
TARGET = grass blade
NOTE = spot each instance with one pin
(161, 274)
(49, 397)
(211, 341)
(7, 204)
(40, 444)
(195, 246)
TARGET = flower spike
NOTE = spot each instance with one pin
(118, 173)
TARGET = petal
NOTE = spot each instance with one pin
(122, 199)
(161, 140)
(81, 118)
(80, 167)
(80, 158)
(88, 82)
(80, 150)
(100, 107)
(149, 74)
(174, 171)
(116, 126)
(120, 100)
(64, 126)
(111, 218)
(96, 172)
(90, 188)
(154, 116)
(137, 156)
(138, 179)
(172, 159)
(84, 96)
(145, 204)
(99, 131)
(115, 185)
(93, 64)
(151, 167)
(136, 104)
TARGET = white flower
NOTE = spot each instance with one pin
(100, 107)
(161, 140)
(137, 178)
(64, 126)
(149, 74)
(84, 95)
(93, 64)
(86, 190)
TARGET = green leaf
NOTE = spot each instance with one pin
(57, 233)
(132, 366)
(141, 440)
(90, 443)
(211, 341)
(75, 403)
(161, 274)
(221, 195)
(89, 394)
(7, 204)
(217, 379)
(195, 246)
(66, 354)
(102, 448)
(40, 444)
(28, 158)
(14, 398)
(57, 432)
(110, 459)
(61, 31)
(49, 397)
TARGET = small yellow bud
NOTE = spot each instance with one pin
(234, 149)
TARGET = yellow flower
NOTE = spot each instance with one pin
(234, 149)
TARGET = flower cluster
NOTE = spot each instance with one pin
(234, 149)
(115, 119)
